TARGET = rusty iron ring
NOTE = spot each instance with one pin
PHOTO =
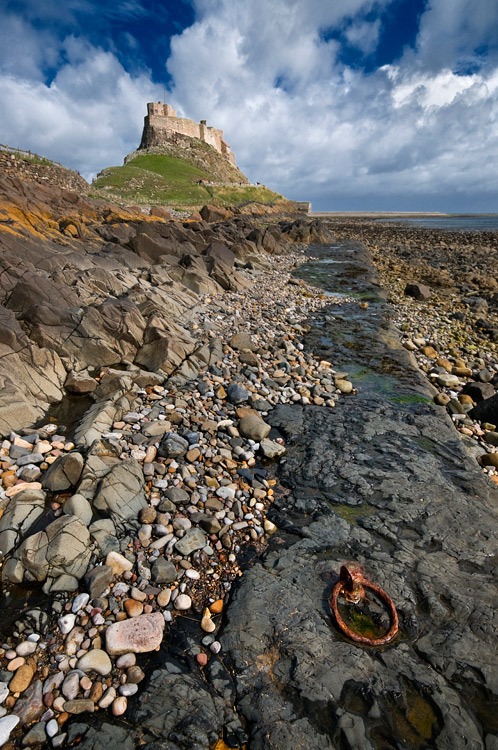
(351, 578)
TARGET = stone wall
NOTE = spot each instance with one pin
(161, 122)
(14, 165)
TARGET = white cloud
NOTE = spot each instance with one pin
(415, 134)
(89, 117)
(398, 137)
(451, 31)
(25, 51)
(364, 35)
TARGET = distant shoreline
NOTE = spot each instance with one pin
(394, 214)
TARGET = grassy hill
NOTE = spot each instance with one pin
(172, 175)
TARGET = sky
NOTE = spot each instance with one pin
(360, 105)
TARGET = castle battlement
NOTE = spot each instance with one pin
(161, 124)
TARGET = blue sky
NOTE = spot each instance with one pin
(353, 104)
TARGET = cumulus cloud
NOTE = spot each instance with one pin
(88, 117)
(417, 134)
(402, 137)
(458, 33)
(364, 35)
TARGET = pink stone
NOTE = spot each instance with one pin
(137, 635)
(119, 706)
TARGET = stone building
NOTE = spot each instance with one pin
(161, 124)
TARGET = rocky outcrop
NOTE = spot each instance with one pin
(84, 284)
(33, 168)
(62, 548)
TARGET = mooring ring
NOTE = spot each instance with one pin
(338, 588)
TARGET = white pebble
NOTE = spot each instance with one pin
(52, 728)
(66, 623)
(126, 660)
(79, 602)
(7, 724)
(25, 648)
(128, 689)
(183, 601)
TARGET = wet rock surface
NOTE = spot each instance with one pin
(383, 480)
(173, 475)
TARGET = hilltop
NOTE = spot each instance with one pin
(179, 176)
(180, 163)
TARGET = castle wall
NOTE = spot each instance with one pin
(161, 122)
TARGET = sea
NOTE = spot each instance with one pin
(476, 222)
(450, 222)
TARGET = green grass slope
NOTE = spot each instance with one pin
(164, 179)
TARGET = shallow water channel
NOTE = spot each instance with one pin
(381, 480)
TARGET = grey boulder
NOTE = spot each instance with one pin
(121, 492)
(64, 472)
(173, 446)
(21, 513)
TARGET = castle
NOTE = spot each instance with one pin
(161, 124)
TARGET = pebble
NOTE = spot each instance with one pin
(216, 607)
(85, 683)
(183, 602)
(128, 689)
(79, 706)
(163, 598)
(15, 663)
(66, 623)
(119, 706)
(207, 624)
(118, 563)
(26, 648)
(70, 686)
(79, 602)
(107, 698)
(52, 728)
(138, 634)
(126, 660)
(95, 660)
(7, 725)
(22, 679)
(135, 674)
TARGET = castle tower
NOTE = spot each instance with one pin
(161, 125)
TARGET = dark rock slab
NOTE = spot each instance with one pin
(479, 391)
(486, 410)
(384, 481)
(420, 292)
